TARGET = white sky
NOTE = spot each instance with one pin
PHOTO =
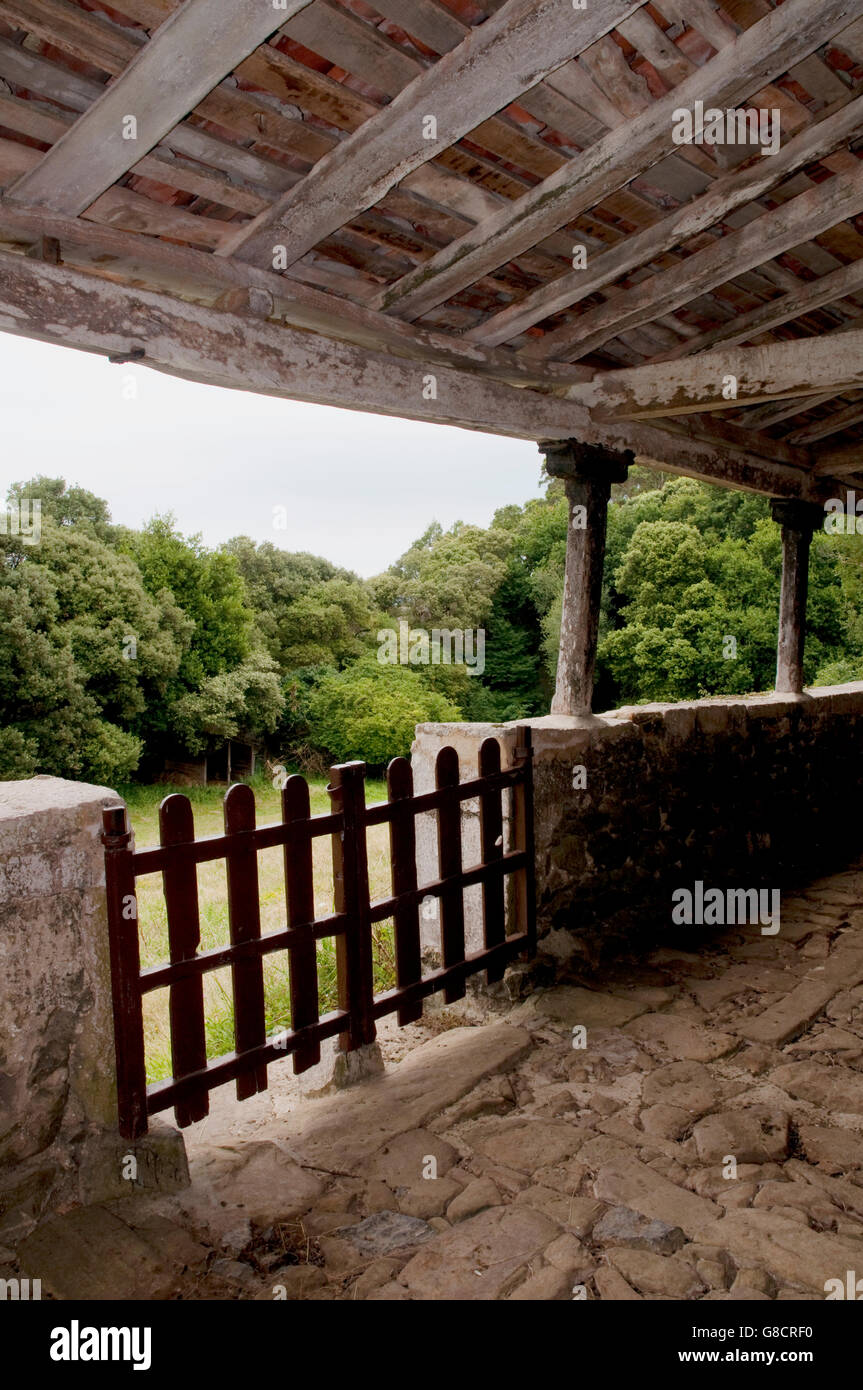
(358, 488)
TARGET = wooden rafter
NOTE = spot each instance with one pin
(766, 416)
(759, 55)
(69, 89)
(833, 424)
(727, 194)
(494, 64)
(188, 56)
(772, 234)
(802, 299)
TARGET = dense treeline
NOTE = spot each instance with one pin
(120, 647)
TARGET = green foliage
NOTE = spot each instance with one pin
(66, 610)
(206, 585)
(244, 703)
(66, 506)
(254, 643)
(308, 611)
(370, 711)
(448, 578)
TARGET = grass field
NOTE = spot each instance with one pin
(143, 803)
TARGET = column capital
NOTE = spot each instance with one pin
(571, 459)
(797, 515)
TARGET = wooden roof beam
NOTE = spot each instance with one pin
(733, 191)
(829, 288)
(55, 304)
(772, 234)
(196, 275)
(726, 380)
(65, 88)
(195, 48)
(497, 61)
(834, 424)
(839, 464)
(766, 416)
(759, 55)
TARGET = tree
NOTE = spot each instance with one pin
(223, 659)
(447, 579)
(83, 651)
(67, 506)
(370, 712)
(245, 703)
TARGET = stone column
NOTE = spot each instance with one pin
(59, 1142)
(799, 521)
(588, 472)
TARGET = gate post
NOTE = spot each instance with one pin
(125, 973)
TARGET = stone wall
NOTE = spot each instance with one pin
(755, 792)
(58, 1111)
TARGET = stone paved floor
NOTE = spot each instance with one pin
(705, 1143)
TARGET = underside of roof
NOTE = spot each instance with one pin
(483, 213)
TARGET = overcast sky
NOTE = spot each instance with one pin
(357, 488)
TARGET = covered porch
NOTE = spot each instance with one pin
(484, 215)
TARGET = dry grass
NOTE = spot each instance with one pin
(143, 803)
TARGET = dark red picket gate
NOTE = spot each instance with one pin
(509, 925)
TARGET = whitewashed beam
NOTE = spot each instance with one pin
(733, 191)
(498, 61)
(759, 55)
(726, 380)
(196, 47)
(55, 304)
(197, 276)
(799, 220)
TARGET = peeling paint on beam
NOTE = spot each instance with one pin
(772, 372)
(59, 305)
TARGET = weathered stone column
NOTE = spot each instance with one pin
(799, 521)
(59, 1142)
(588, 471)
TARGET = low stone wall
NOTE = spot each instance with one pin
(745, 793)
(58, 1110)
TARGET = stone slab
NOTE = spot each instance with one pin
(788, 1250)
(833, 1088)
(631, 1183)
(480, 1258)
(678, 1038)
(344, 1132)
(91, 1254)
(789, 1016)
(571, 1005)
(528, 1144)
